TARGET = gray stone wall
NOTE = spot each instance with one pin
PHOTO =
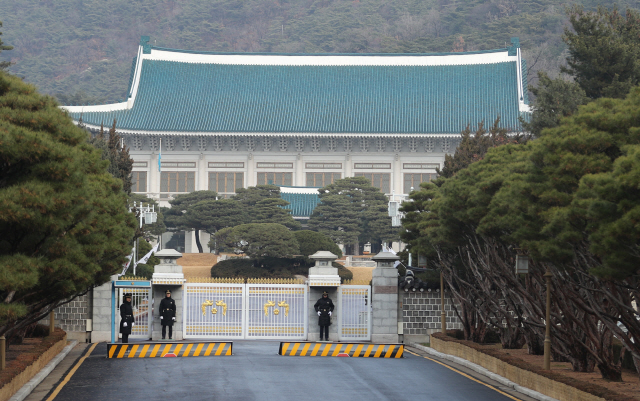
(421, 314)
(73, 316)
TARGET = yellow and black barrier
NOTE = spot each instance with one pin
(172, 349)
(355, 350)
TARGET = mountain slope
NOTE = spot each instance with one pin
(81, 50)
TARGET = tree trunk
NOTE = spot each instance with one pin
(535, 343)
(611, 372)
(198, 242)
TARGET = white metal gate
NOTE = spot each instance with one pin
(277, 311)
(213, 310)
(355, 312)
(245, 311)
(142, 304)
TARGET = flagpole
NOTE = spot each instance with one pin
(160, 185)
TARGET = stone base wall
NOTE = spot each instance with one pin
(8, 390)
(524, 378)
(421, 314)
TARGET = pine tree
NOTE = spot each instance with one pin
(604, 51)
(63, 218)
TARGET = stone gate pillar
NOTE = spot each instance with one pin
(167, 276)
(384, 299)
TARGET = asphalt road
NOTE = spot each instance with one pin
(256, 372)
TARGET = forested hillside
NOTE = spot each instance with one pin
(81, 50)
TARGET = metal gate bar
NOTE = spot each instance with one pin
(355, 313)
(276, 311)
(213, 310)
(142, 305)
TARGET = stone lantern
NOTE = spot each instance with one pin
(323, 274)
(385, 260)
(168, 272)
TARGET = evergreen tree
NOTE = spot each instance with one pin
(63, 218)
(259, 240)
(174, 218)
(352, 211)
(474, 146)
(604, 51)
(263, 204)
(120, 163)
(555, 99)
(311, 242)
(212, 215)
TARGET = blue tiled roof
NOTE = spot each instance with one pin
(301, 205)
(192, 97)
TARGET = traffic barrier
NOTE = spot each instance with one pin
(167, 350)
(355, 350)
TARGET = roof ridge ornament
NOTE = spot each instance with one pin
(515, 45)
(144, 42)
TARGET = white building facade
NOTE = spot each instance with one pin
(218, 121)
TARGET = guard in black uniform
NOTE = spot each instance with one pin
(167, 314)
(324, 307)
(126, 318)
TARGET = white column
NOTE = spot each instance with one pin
(348, 166)
(154, 176)
(299, 175)
(397, 179)
(251, 179)
(203, 176)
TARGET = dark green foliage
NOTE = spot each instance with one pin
(260, 240)
(263, 204)
(604, 51)
(474, 146)
(311, 242)
(63, 218)
(120, 163)
(352, 211)
(270, 267)
(181, 217)
(555, 99)
(267, 267)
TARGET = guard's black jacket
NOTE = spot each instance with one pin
(167, 311)
(324, 306)
(126, 315)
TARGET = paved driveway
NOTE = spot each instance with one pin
(256, 372)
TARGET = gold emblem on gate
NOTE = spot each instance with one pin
(270, 304)
(224, 307)
(285, 305)
(214, 310)
(204, 307)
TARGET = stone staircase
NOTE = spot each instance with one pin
(197, 264)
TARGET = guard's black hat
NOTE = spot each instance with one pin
(127, 295)
(167, 292)
(325, 293)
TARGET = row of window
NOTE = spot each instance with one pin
(227, 182)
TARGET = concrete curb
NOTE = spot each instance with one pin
(44, 372)
(479, 369)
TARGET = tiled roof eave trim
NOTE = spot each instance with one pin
(168, 49)
(278, 134)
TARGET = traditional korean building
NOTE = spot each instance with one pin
(222, 121)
